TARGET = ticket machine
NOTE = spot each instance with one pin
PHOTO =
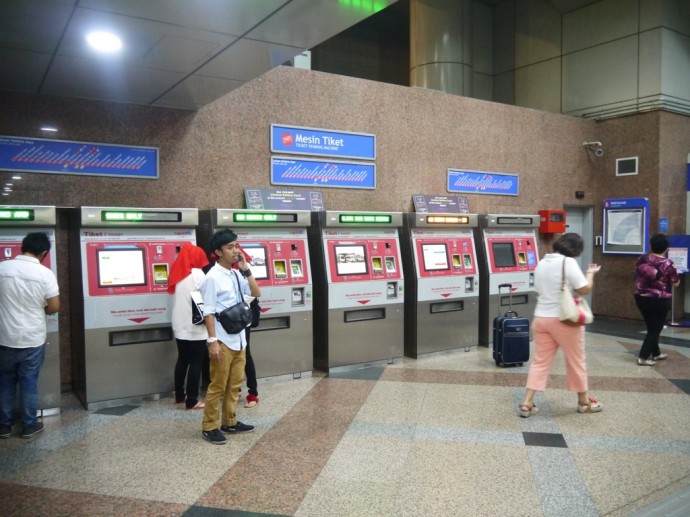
(358, 288)
(15, 222)
(277, 243)
(442, 294)
(123, 347)
(507, 255)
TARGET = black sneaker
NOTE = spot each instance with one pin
(5, 432)
(29, 432)
(239, 427)
(214, 436)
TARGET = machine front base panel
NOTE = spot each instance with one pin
(49, 389)
(125, 371)
(362, 341)
(127, 401)
(280, 350)
(439, 331)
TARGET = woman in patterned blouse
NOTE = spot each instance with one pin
(655, 276)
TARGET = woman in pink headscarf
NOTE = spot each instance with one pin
(186, 275)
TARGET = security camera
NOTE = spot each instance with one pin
(594, 146)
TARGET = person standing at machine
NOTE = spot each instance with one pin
(28, 292)
(227, 352)
(655, 277)
(550, 333)
(186, 275)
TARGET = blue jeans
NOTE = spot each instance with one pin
(20, 366)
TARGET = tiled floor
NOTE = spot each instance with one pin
(438, 436)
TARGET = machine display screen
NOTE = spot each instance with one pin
(121, 267)
(435, 257)
(351, 259)
(504, 254)
(258, 254)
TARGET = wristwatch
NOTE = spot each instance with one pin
(247, 273)
(211, 340)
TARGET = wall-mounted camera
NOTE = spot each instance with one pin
(595, 147)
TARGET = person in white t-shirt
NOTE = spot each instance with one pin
(550, 333)
(28, 292)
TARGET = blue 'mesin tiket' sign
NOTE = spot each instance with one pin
(322, 142)
(317, 173)
(20, 154)
(477, 182)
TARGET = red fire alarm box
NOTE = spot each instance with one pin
(551, 221)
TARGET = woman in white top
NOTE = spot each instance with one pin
(550, 333)
(186, 276)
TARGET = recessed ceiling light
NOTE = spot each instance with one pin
(16, 177)
(104, 41)
(48, 128)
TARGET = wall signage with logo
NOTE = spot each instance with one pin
(322, 142)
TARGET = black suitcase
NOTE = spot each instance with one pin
(511, 335)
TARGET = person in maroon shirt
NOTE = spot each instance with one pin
(655, 276)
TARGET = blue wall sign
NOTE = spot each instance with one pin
(315, 173)
(19, 154)
(476, 182)
(322, 142)
(626, 225)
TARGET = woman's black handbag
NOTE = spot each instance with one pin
(238, 317)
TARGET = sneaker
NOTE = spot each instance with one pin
(239, 427)
(214, 436)
(29, 432)
(5, 432)
(645, 362)
(660, 357)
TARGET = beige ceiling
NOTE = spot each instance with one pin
(176, 53)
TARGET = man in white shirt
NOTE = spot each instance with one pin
(225, 287)
(28, 292)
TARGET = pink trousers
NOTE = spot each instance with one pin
(550, 335)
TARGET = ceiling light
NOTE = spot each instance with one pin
(48, 128)
(16, 177)
(104, 41)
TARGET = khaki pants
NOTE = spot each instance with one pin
(226, 380)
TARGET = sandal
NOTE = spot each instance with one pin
(660, 357)
(526, 411)
(592, 406)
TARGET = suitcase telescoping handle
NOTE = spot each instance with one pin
(511, 312)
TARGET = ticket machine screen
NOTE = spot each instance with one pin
(504, 254)
(351, 259)
(258, 254)
(121, 267)
(435, 257)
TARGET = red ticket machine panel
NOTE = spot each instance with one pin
(360, 260)
(11, 249)
(278, 261)
(512, 254)
(446, 256)
(130, 267)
